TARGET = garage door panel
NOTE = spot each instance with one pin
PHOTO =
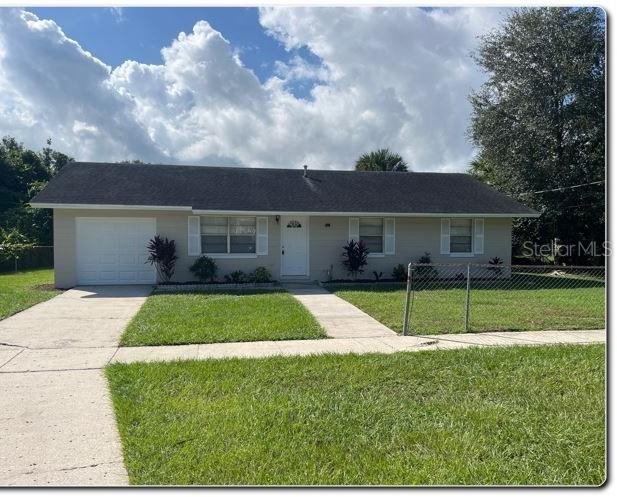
(130, 259)
(113, 250)
(108, 259)
(127, 275)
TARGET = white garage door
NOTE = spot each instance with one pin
(112, 250)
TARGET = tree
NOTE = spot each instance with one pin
(23, 173)
(13, 245)
(538, 121)
(381, 160)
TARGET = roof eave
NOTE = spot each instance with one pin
(53, 205)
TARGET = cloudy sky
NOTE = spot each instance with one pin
(271, 87)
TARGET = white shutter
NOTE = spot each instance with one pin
(262, 236)
(478, 242)
(194, 243)
(389, 234)
(445, 236)
(354, 229)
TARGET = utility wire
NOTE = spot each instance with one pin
(564, 188)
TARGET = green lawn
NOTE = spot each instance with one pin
(515, 416)
(23, 289)
(526, 302)
(231, 316)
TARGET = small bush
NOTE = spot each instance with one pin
(260, 275)
(162, 255)
(399, 273)
(497, 262)
(426, 272)
(355, 257)
(236, 277)
(204, 268)
(377, 275)
(425, 259)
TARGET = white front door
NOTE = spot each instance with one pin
(294, 246)
(112, 251)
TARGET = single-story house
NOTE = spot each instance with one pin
(292, 221)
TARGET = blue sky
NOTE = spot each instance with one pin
(116, 35)
(268, 87)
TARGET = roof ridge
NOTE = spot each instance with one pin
(262, 168)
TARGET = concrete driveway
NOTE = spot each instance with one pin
(58, 426)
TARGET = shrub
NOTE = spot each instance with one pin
(425, 272)
(204, 268)
(399, 273)
(377, 275)
(162, 255)
(495, 261)
(236, 277)
(260, 275)
(13, 245)
(425, 259)
(355, 257)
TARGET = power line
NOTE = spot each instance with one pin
(564, 188)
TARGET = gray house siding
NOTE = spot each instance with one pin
(414, 236)
(173, 225)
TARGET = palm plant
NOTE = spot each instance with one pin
(381, 160)
(162, 255)
(354, 255)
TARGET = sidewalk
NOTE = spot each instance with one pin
(385, 345)
(58, 423)
(84, 359)
(338, 317)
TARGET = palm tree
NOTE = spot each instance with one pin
(381, 160)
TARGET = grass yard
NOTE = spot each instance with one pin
(220, 316)
(515, 416)
(23, 289)
(538, 303)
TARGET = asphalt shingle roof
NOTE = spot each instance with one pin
(275, 190)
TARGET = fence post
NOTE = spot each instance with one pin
(407, 298)
(467, 298)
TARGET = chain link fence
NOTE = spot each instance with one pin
(457, 298)
(38, 257)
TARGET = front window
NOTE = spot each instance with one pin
(228, 235)
(371, 233)
(460, 236)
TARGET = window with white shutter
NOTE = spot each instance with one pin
(354, 229)
(194, 236)
(478, 246)
(389, 236)
(262, 236)
(445, 236)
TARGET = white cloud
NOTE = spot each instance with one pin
(117, 13)
(48, 82)
(389, 77)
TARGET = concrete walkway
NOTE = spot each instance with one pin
(385, 345)
(339, 318)
(58, 425)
